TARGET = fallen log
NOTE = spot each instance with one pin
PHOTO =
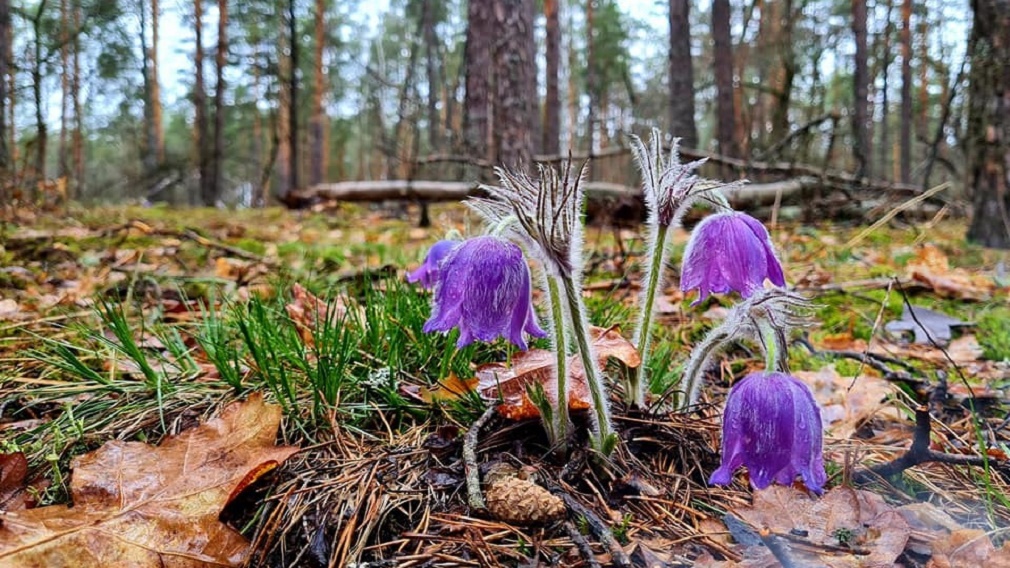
(384, 190)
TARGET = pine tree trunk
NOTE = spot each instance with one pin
(860, 80)
(282, 127)
(432, 72)
(78, 187)
(149, 154)
(220, 60)
(318, 158)
(156, 110)
(293, 100)
(11, 93)
(591, 87)
(885, 111)
(723, 55)
(922, 124)
(5, 39)
(988, 136)
(42, 131)
(514, 67)
(64, 89)
(477, 114)
(906, 91)
(551, 141)
(681, 74)
(200, 107)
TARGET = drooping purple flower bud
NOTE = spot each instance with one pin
(484, 289)
(729, 252)
(772, 425)
(427, 273)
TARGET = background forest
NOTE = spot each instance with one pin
(241, 102)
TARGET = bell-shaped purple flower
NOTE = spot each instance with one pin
(427, 273)
(729, 252)
(484, 289)
(772, 425)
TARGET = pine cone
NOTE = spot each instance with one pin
(521, 501)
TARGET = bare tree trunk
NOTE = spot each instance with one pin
(884, 143)
(220, 60)
(156, 111)
(432, 72)
(723, 54)
(591, 87)
(150, 151)
(922, 124)
(293, 79)
(259, 198)
(681, 74)
(318, 159)
(988, 140)
(11, 92)
(5, 40)
(906, 91)
(784, 70)
(200, 106)
(42, 132)
(64, 88)
(77, 189)
(477, 114)
(514, 104)
(282, 128)
(551, 142)
(861, 81)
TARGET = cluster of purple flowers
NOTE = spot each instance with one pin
(771, 424)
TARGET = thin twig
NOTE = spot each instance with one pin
(599, 528)
(473, 495)
(582, 544)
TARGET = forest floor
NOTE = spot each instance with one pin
(253, 387)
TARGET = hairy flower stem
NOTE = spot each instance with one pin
(696, 365)
(770, 342)
(605, 439)
(560, 426)
(639, 380)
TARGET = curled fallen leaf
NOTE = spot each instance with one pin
(536, 367)
(141, 505)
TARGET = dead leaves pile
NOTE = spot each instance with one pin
(847, 528)
(139, 505)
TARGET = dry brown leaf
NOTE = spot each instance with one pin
(140, 505)
(844, 409)
(308, 311)
(449, 388)
(842, 518)
(931, 268)
(10, 310)
(536, 366)
(967, 548)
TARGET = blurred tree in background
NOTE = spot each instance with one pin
(246, 103)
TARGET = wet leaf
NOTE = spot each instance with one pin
(449, 388)
(845, 527)
(141, 505)
(536, 367)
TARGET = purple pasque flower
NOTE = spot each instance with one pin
(773, 426)
(427, 273)
(729, 252)
(484, 289)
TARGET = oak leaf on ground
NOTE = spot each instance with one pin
(140, 505)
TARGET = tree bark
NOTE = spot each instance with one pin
(723, 55)
(432, 71)
(988, 137)
(64, 89)
(5, 39)
(77, 189)
(200, 106)
(282, 125)
(293, 100)
(42, 132)
(514, 67)
(318, 159)
(861, 83)
(149, 152)
(591, 87)
(220, 60)
(681, 74)
(551, 142)
(884, 143)
(906, 91)
(156, 110)
(477, 115)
